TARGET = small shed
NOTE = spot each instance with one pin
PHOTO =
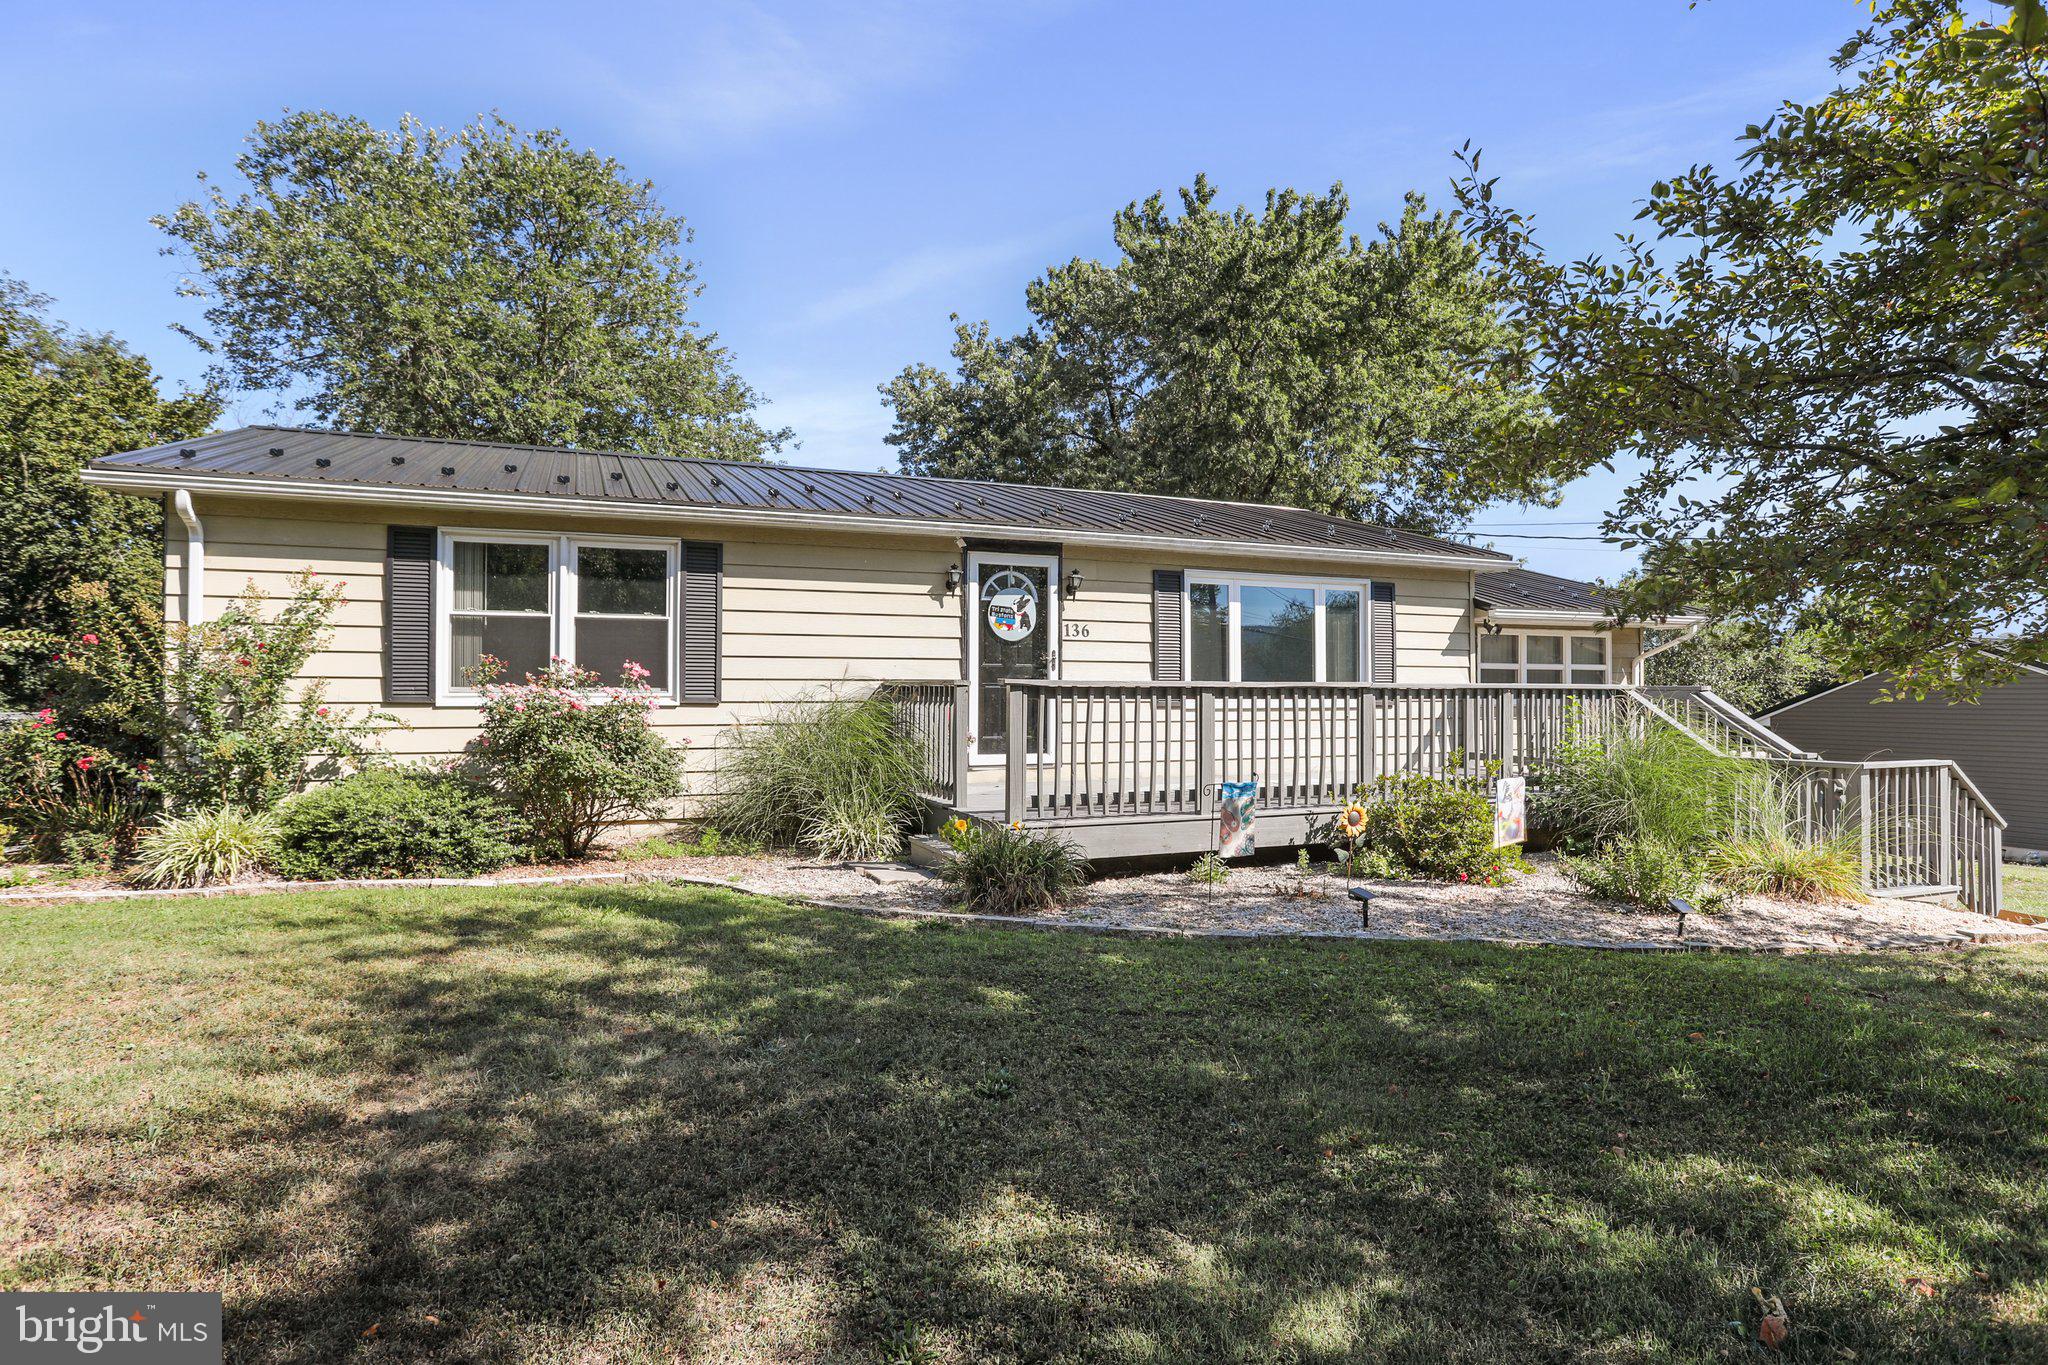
(2000, 739)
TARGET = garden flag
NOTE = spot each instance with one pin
(1236, 817)
(1510, 811)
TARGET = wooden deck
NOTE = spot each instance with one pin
(1130, 770)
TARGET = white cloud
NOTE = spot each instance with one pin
(731, 71)
(919, 272)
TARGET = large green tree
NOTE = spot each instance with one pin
(66, 398)
(1830, 362)
(1269, 357)
(1748, 662)
(485, 283)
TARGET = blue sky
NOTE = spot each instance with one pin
(855, 172)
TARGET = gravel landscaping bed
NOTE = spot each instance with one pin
(1539, 907)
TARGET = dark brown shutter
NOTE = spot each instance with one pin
(1169, 631)
(409, 614)
(703, 568)
(1382, 633)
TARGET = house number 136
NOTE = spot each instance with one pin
(1073, 630)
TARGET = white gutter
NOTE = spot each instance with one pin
(152, 481)
(195, 556)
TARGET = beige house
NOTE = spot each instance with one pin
(741, 586)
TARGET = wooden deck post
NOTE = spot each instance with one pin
(963, 743)
(1946, 872)
(1205, 752)
(1016, 739)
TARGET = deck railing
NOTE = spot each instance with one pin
(1118, 750)
(1133, 749)
(935, 716)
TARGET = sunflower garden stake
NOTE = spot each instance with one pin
(1351, 824)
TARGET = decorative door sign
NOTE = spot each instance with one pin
(1010, 602)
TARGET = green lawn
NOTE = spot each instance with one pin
(647, 1124)
(2026, 889)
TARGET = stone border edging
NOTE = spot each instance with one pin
(1961, 939)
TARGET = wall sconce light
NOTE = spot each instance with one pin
(953, 577)
(1490, 627)
(1073, 583)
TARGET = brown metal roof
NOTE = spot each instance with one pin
(352, 459)
(1527, 590)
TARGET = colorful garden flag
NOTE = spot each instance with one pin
(1237, 816)
(1510, 811)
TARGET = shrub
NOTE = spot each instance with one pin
(1433, 827)
(67, 799)
(838, 777)
(1642, 872)
(1209, 870)
(1013, 871)
(243, 722)
(1656, 784)
(571, 756)
(1376, 865)
(386, 823)
(207, 848)
(1774, 863)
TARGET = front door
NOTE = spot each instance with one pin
(1012, 632)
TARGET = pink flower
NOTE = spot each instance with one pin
(48, 713)
(245, 661)
(62, 735)
(320, 711)
(89, 638)
(1463, 878)
(85, 764)
(635, 671)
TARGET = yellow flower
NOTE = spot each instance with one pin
(1351, 823)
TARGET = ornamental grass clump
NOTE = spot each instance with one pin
(207, 848)
(1773, 862)
(569, 756)
(1656, 783)
(837, 777)
(1008, 870)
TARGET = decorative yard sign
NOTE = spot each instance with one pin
(1510, 810)
(1010, 602)
(1237, 816)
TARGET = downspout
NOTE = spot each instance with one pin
(195, 558)
(1641, 670)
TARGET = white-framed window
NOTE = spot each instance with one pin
(1254, 628)
(600, 601)
(1542, 658)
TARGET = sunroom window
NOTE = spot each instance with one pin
(601, 602)
(1544, 659)
(1270, 630)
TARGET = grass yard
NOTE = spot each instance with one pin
(2026, 889)
(646, 1124)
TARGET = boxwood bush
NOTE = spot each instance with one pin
(390, 823)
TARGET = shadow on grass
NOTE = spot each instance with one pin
(631, 1123)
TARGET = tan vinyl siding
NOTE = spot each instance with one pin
(804, 613)
(2000, 740)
